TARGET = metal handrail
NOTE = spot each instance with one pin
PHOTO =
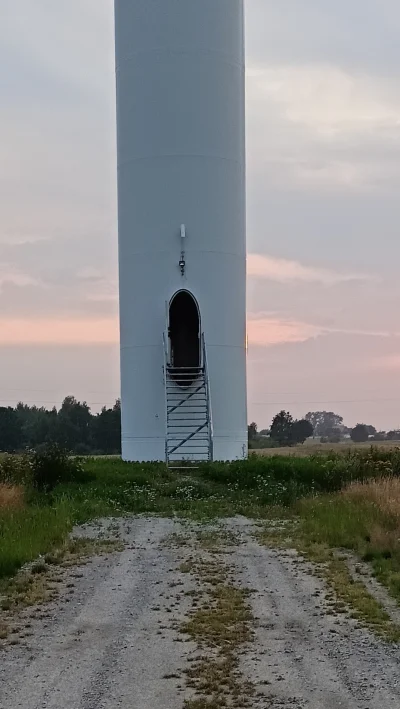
(208, 399)
(165, 372)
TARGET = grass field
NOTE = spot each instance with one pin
(349, 500)
(312, 447)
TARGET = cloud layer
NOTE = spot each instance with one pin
(285, 271)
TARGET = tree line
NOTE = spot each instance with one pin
(73, 427)
(327, 426)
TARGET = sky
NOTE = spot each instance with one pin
(323, 147)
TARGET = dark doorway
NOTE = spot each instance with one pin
(184, 335)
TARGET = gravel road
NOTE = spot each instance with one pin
(113, 640)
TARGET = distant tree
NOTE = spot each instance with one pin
(301, 430)
(335, 435)
(38, 425)
(74, 425)
(10, 430)
(371, 430)
(393, 435)
(282, 428)
(106, 430)
(379, 436)
(264, 432)
(324, 422)
(252, 431)
(360, 433)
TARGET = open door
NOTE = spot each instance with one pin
(184, 337)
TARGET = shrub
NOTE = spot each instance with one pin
(335, 438)
(51, 465)
(15, 469)
(314, 474)
(261, 442)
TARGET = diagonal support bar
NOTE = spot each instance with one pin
(192, 435)
(183, 401)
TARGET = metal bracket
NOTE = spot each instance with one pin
(182, 262)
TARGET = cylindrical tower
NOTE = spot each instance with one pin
(182, 244)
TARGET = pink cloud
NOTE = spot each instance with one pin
(9, 274)
(284, 271)
(389, 363)
(264, 330)
(268, 331)
(68, 331)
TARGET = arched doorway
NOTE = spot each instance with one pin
(184, 337)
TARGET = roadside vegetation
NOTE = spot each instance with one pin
(347, 501)
(363, 518)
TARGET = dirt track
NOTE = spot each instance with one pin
(113, 640)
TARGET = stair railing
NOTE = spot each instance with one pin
(165, 370)
(208, 399)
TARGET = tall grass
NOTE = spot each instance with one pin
(383, 493)
(363, 517)
(27, 533)
(313, 474)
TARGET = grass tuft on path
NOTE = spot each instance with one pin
(221, 624)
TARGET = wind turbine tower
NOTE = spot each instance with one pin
(182, 238)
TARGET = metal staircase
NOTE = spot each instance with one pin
(189, 436)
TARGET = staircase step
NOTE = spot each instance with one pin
(177, 397)
(187, 453)
(193, 416)
(181, 407)
(183, 467)
(178, 394)
(203, 443)
(187, 389)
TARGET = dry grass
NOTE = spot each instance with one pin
(311, 447)
(11, 497)
(384, 493)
